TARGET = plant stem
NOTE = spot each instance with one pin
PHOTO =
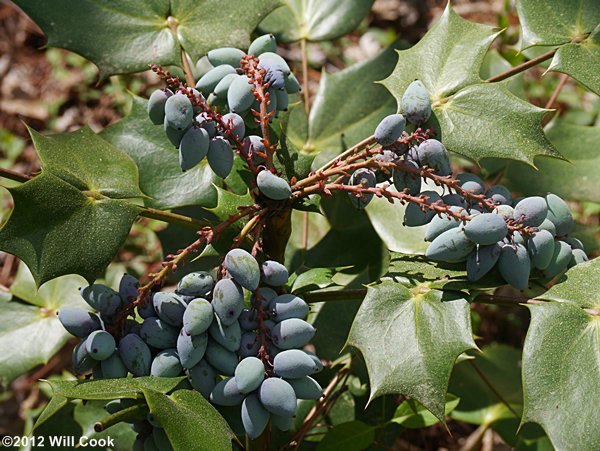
(522, 67)
(14, 175)
(473, 441)
(121, 415)
(562, 81)
(319, 406)
(187, 70)
(337, 295)
(493, 389)
(507, 300)
(174, 218)
(355, 148)
(306, 95)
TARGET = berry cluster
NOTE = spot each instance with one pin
(483, 227)
(232, 353)
(247, 86)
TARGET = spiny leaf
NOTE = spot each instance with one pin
(468, 115)
(472, 120)
(161, 178)
(105, 389)
(446, 59)
(556, 22)
(410, 339)
(561, 375)
(57, 230)
(125, 36)
(89, 163)
(581, 61)
(574, 26)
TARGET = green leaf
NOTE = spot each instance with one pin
(556, 22)
(32, 335)
(446, 59)
(572, 26)
(89, 413)
(581, 61)
(189, 420)
(578, 286)
(56, 230)
(346, 109)
(29, 336)
(55, 405)
(335, 320)
(493, 64)
(206, 25)
(412, 415)
(387, 219)
(228, 204)
(489, 386)
(492, 111)
(161, 178)
(89, 163)
(578, 144)
(103, 390)
(54, 294)
(344, 409)
(136, 33)
(360, 249)
(106, 389)
(412, 270)
(351, 436)
(561, 375)
(315, 20)
(313, 279)
(410, 339)
(468, 114)
(291, 160)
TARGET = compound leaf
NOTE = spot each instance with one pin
(410, 339)
(581, 61)
(113, 388)
(446, 59)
